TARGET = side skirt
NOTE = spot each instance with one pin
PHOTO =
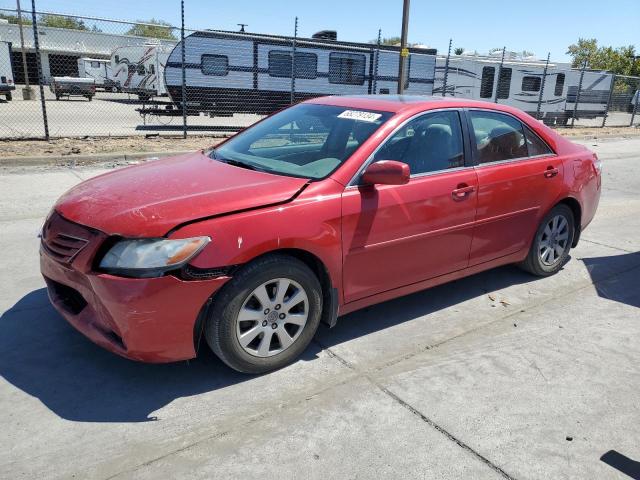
(432, 282)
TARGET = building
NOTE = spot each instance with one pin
(60, 48)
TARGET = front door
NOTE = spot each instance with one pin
(396, 235)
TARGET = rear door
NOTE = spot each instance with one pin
(396, 235)
(519, 180)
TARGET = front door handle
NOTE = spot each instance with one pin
(551, 172)
(462, 191)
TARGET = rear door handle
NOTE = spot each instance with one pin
(551, 172)
(462, 191)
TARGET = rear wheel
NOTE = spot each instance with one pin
(9, 97)
(265, 317)
(550, 247)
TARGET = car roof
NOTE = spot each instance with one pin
(400, 103)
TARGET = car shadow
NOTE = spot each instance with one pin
(619, 288)
(45, 357)
(79, 381)
(622, 463)
(48, 359)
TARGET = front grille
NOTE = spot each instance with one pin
(63, 240)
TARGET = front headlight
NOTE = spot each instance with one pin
(151, 257)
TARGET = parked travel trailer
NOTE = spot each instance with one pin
(100, 70)
(7, 85)
(230, 73)
(139, 69)
(518, 84)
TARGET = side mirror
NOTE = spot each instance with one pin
(386, 172)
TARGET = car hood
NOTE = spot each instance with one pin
(150, 199)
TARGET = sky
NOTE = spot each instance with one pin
(540, 27)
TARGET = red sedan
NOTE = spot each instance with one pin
(326, 207)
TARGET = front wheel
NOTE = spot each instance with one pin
(550, 247)
(267, 314)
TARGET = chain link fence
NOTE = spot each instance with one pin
(71, 76)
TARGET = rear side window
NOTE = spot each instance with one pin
(504, 83)
(531, 84)
(217, 65)
(346, 68)
(486, 84)
(559, 85)
(498, 137)
(429, 143)
(535, 145)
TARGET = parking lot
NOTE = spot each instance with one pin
(500, 375)
(115, 114)
(108, 114)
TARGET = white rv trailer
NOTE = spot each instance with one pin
(520, 83)
(230, 73)
(139, 69)
(99, 69)
(7, 85)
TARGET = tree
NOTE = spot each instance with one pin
(393, 41)
(458, 51)
(14, 19)
(622, 60)
(58, 21)
(152, 28)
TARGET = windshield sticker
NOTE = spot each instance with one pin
(360, 116)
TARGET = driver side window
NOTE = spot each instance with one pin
(428, 143)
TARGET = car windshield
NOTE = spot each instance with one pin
(306, 140)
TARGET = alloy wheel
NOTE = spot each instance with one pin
(272, 317)
(554, 240)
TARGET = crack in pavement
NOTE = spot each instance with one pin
(396, 398)
(608, 246)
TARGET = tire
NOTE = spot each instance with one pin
(237, 311)
(9, 97)
(543, 259)
(89, 97)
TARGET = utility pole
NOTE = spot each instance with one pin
(184, 74)
(404, 51)
(27, 92)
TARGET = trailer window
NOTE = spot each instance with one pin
(346, 68)
(217, 65)
(559, 85)
(504, 83)
(95, 64)
(280, 64)
(531, 84)
(306, 65)
(486, 84)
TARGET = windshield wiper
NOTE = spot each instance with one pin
(237, 163)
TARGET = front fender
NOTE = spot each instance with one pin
(311, 222)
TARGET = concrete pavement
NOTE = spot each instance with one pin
(499, 375)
